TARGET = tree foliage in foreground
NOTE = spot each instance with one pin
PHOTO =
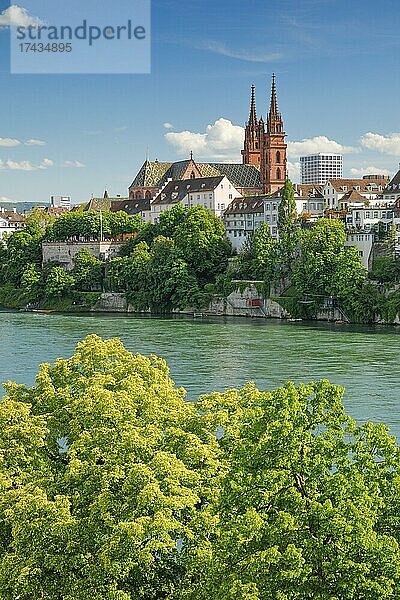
(113, 487)
(104, 468)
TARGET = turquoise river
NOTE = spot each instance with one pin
(207, 355)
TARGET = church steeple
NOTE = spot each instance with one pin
(274, 122)
(251, 150)
(253, 112)
(274, 160)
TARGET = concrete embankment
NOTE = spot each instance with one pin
(237, 304)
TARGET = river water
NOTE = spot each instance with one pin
(208, 355)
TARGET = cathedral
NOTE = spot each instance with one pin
(263, 169)
(265, 146)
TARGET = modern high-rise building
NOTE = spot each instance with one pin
(61, 201)
(320, 168)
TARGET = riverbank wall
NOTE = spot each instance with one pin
(237, 304)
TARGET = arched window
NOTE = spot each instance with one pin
(256, 145)
(192, 175)
(278, 174)
(148, 196)
(278, 158)
(138, 195)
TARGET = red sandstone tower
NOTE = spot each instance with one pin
(266, 148)
(252, 149)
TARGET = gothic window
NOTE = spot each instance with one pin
(278, 174)
(148, 196)
(192, 175)
(278, 158)
(256, 145)
(138, 195)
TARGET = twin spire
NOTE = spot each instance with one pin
(274, 117)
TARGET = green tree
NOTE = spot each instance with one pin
(287, 214)
(31, 281)
(320, 251)
(87, 271)
(130, 274)
(37, 221)
(386, 269)
(106, 473)
(22, 249)
(200, 241)
(259, 257)
(308, 506)
(58, 283)
(170, 219)
(171, 285)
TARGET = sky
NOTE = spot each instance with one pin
(338, 78)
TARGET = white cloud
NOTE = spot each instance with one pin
(359, 172)
(319, 143)
(16, 16)
(46, 163)
(247, 55)
(23, 165)
(26, 165)
(6, 199)
(73, 164)
(9, 142)
(222, 141)
(35, 143)
(12, 142)
(389, 144)
(167, 125)
(294, 170)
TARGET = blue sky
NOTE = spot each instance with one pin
(337, 66)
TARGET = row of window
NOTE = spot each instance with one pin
(242, 233)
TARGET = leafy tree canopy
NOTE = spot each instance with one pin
(112, 486)
(103, 469)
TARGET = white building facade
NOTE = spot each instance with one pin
(213, 193)
(364, 242)
(370, 186)
(319, 168)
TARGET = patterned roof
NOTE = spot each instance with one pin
(156, 174)
(242, 176)
(103, 203)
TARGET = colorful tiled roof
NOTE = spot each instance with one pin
(241, 176)
(103, 203)
(156, 174)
